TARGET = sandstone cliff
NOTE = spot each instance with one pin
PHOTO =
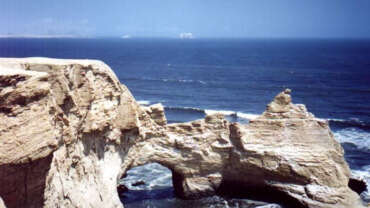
(69, 131)
(64, 132)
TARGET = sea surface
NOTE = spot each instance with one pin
(237, 77)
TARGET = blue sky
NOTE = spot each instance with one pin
(202, 18)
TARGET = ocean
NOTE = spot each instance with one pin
(237, 77)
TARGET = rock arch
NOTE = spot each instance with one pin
(286, 150)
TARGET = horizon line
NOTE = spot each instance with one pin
(28, 36)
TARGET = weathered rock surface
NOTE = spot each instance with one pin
(65, 127)
(156, 112)
(69, 131)
(285, 152)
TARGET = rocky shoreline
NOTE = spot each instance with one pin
(70, 130)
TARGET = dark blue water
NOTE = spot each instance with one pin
(235, 76)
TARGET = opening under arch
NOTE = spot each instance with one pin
(147, 186)
(151, 185)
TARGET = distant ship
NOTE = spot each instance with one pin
(186, 35)
(126, 36)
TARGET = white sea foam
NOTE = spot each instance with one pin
(153, 174)
(144, 102)
(356, 136)
(223, 112)
(334, 119)
(248, 116)
(364, 173)
(184, 81)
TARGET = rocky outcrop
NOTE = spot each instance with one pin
(156, 113)
(69, 131)
(66, 126)
(285, 152)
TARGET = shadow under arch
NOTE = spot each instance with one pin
(152, 185)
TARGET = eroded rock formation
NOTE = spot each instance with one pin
(285, 152)
(69, 131)
(65, 129)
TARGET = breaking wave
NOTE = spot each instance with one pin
(227, 113)
(356, 136)
(144, 102)
(248, 116)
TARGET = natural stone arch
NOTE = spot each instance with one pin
(191, 181)
(286, 151)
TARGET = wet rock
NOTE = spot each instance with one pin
(138, 183)
(357, 184)
(121, 188)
